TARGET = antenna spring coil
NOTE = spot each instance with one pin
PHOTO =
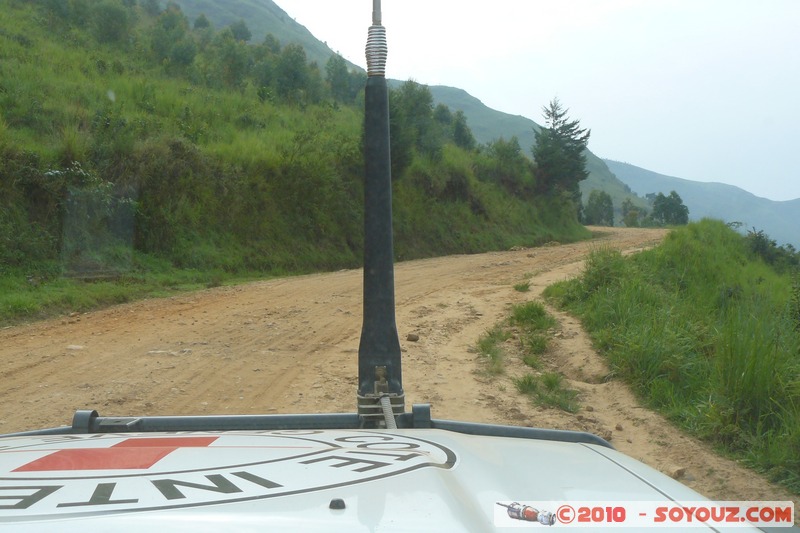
(376, 51)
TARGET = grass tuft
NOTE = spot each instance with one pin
(524, 286)
(548, 390)
(489, 347)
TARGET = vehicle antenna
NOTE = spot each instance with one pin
(380, 382)
(376, 12)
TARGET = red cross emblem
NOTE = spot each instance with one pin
(130, 454)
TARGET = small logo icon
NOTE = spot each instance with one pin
(527, 513)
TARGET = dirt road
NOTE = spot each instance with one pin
(290, 345)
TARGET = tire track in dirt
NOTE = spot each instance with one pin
(290, 345)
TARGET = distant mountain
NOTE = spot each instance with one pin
(780, 220)
(262, 17)
(487, 124)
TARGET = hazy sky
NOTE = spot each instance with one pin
(706, 90)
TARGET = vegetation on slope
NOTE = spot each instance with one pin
(135, 141)
(706, 328)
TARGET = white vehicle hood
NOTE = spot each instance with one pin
(303, 480)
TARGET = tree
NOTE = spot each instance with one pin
(291, 73)
(271, 44)
(669, 210)
(462, 134)
(265, 59)
(417, 102)
(79, 12)
(183, 52)
(504, 163)
(631, 213)
(558, 152)
(412, 124)
(338, 78)
(111, 21)
(201, 22)
(358, 79)
(169, 30)
(599, 209)
(240, 31)
(454, 127)
(151, 7)
(443, 115)
(231, 62)
(314, 90)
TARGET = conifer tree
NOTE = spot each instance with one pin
(558, 152)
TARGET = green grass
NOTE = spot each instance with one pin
(203, 176)
(548, 390)
(25, 297)
(530, 322)
(533, 322)
(704, 331)
(531, 317)
(218, 184)
(536, 344)
(489, 347)
(524, 286)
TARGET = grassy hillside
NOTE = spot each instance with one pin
(487, 124)
(262, 17)
(709, 333)
(265, 17)
(132, 143)
(780, 220)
